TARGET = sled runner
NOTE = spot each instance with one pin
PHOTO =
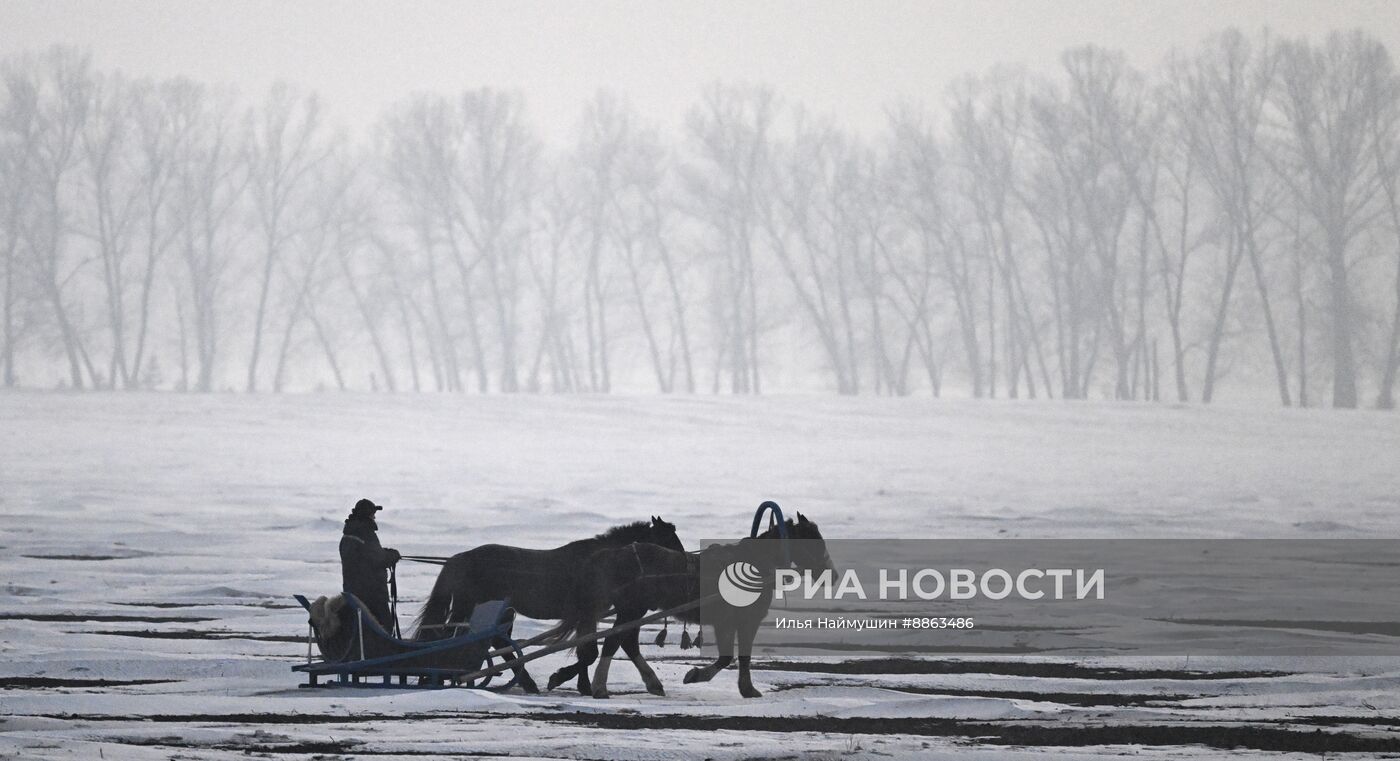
(357, 651)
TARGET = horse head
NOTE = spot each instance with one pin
(808, 548)
(664, 535)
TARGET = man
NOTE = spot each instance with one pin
(363, 562)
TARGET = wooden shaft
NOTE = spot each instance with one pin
(576, 641)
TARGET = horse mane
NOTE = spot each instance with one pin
(773, 530)
(638, 529)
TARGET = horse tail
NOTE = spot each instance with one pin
(439, 604)
(582, 613)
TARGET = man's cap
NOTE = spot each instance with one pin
(366, 506)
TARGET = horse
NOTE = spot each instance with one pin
(538, 583)
(637, 578)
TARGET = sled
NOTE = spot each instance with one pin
(366, 655)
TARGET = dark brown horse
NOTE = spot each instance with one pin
(639, 578)
(538, 583)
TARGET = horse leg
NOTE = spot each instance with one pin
(584, 655)
(600, 675)
(587, 654)
(522, 677)
(632, 647)
(746, 635)
(724, 640)
(566, 673)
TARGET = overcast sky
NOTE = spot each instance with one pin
(845, 58)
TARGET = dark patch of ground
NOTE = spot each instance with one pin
(253, 718)
(196, 634)
(1336, 721)
(101, 618)
(268, 605)
(77, 557)
(884, 666)
(853, 647)
(1082, 699)
(42, 682)
(1386, 628)
(317, 750)
(1220, 736)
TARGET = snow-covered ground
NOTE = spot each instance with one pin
(149, 545)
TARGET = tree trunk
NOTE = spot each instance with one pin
(280, 373)
(329, 350)
(269, 258)
(1343, 361)
(1280, 371)
(371, 325)
(678, 308)
(1386, 397)
(147, 287)
(756, 386)
(1234, 256)
(662, 384)
(7, 351)
(1302, 317)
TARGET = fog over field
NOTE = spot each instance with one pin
(523, 272)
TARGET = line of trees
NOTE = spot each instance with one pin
(1099, 231)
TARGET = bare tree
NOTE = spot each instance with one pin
(421, 156)
(58, 88)
(284, 146)
(640, 211)
(498, 179)
(1385, 147)
(1174, 215)
(603, 134)
(161, 131)
(1225, 90)
(465, 173)
(1080, 202)
(1328, 96)
(18, 145)
(348, 209)
(905, 238)
(560, 211)
(730, 143)
(324, 238)
(210, 180)
(920, 175)
(654, 206)
(989, 124)
(111, 210)
(815, 242)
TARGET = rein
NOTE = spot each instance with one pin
(430, 559)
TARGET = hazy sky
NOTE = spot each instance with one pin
(847, 58)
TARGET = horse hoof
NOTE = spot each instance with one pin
(749, 692)
(554, 681)
(530, 688)
(600, 693)
(656, 689)
(692, 676)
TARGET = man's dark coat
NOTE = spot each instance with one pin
(362, 566)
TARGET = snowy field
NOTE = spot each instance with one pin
(150, 544)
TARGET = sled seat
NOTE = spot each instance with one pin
(362, 649)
